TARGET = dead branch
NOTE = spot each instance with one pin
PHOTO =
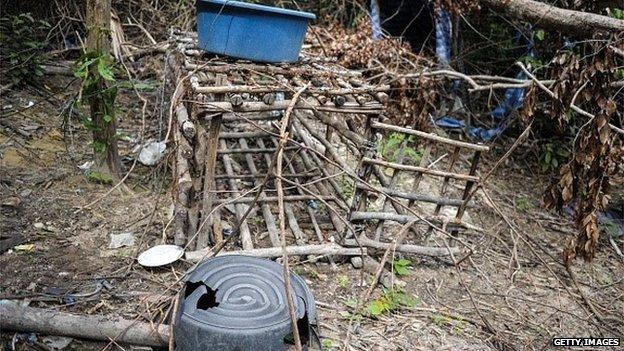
(50, 322)
(547, 16)
(295, 250)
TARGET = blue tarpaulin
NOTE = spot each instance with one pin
(514, 97)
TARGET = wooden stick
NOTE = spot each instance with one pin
(276, 88)
(272, 252)
(256, 150)
(391, 248)
(430, 136)
(269, 219)
(414, 197)
(301, 237)
(393, 178)
(424, 162)
(251, 106)
(182, 198)
(271, 69)
(186, 126)
(387, 278)
(51, 322)
(328, 146)
(245, 233)
(562, 20)
(315, 226)
(236, 117)
(238, 135)
(311, 161)
(445, 182)
(284, 130)
(388, 216)
(469, 185)
(209, 182)
(311, 174)
(421, 170)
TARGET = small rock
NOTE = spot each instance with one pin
(51, 229)
(152, 152)
(121, 240)
(39, 225)
(56, 342)
(24, 248)
(25, 192)
(357, 262)
(11, 201)
(86, 166)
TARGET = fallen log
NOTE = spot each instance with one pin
(547, 16)
(51, 322)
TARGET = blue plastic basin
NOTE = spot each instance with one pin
(250, 31)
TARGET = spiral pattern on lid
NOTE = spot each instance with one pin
(241, 292)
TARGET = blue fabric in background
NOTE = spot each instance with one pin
(443, 26)
(375, 20)
(514, 97)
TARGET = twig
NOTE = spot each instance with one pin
(282, 220)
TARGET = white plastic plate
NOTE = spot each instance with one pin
(160, 255)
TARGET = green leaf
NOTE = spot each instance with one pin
(547, 157)
(401, 266)
(104, 69)
(327, 343)
(539, 35)
(107, 118)
(377, 307)
(99, 177)
(401, 271)
(83, 68)
(98, 146)
(617, 13)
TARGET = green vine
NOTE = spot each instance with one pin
(98, 78)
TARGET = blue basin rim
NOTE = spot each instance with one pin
(261, 8)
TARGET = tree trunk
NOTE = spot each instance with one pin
(103, 117)
(547, 16)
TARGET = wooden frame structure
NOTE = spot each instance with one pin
(227, 115)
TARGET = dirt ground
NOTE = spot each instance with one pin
(512, 293)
